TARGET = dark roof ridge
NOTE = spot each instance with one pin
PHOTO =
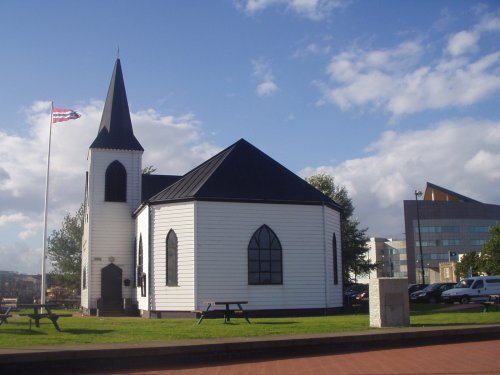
(243, 173)
(181, 183)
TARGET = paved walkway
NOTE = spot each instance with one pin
(271, 353)
(451, 359)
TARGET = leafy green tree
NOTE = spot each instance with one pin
(150, 169)
(470, 264)
(354, 239)
(490, 256)
(64, 251)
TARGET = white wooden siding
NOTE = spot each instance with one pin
(111, 229)
(223, 234)
(332, 226)
(180, 218)
(142, 225)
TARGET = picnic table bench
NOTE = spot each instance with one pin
(5, 315)
(492, 301)
(228, 312)
(37, 314)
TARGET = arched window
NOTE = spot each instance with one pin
(115, 183)
(140, 261)
(84, 278)
(171, 258)
(264, 258)
(134, 282)
(335, 260)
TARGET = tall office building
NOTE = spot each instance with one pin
(450, 224)
(389, 254)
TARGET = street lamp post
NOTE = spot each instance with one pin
(419, 194)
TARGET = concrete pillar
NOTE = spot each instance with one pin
(389, 303)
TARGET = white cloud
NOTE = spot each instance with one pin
(398, 81)
(485, 165)
(172, 144)
(467, 40)
(461, 155)
(20, 257)
(28, 225)
(263, 72)
(312, 9)
(462, 42)
(266, 88)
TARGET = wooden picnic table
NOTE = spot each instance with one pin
(228, 312)
(5, 315)
(38, 314)
(494, 299)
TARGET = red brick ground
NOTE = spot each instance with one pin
(451, 359)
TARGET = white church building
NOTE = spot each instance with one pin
(238, 227)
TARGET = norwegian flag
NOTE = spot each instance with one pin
(64, 114)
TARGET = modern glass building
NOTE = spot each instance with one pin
(450, 224)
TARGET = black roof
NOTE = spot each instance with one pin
(243, 173)
(153, 183)
(115, 131)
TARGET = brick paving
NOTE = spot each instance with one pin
(472, 358)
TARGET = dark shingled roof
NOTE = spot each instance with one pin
(243, 173)
(115, 131)
(153, 183)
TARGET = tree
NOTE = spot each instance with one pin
(354, 240)
(64, 250)
(150, 169)
(490, 256)
(469, 265)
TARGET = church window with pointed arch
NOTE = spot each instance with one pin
(115, 183)
(264, 258)
(84, 278)
(171, 258)
(141, 275)
(335, 260)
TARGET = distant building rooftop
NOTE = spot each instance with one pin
(438, 193)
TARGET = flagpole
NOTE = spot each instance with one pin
(45, 240)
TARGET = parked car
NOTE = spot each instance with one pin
(478, 288)
(364, 295)
(414, 287)
(431, 293)
(352, 291)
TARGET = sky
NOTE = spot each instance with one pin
(382, 95)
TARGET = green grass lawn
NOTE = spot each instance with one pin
(81, 330)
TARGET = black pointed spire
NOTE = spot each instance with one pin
(115, 131)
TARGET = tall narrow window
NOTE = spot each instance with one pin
(264, 258)
(115, 183)
(335, 261)
(139, 262)
(84, 278)
(134, 283)
(171, 265)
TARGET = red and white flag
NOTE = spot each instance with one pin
(64, 114)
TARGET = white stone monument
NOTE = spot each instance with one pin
(389, 302)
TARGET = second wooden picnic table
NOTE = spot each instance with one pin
(228, 312)
(38, 314)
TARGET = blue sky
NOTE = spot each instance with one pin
(382, 95)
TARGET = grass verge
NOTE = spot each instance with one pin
(83, 330)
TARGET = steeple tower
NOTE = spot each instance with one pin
(115, 131)
(112, 193)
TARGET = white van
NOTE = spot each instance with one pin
(478, 288)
